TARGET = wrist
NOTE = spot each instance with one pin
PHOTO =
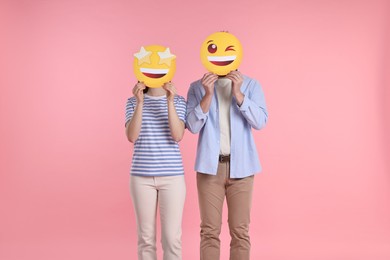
(209, 94)
(239, 98)
(238, 94)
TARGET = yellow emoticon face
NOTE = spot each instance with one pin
(221, 53)
(154, 65)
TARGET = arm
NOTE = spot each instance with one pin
(254, 109)
(176, 125)
(197, 111)
(252, 106)
(133, 126)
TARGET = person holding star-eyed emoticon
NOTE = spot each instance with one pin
(155, 123)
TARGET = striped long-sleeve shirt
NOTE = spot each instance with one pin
(155, 151)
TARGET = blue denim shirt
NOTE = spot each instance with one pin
(244, 159)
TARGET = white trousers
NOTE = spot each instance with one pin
(168, 193)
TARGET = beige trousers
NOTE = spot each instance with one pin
(212, 190)
(168, 193)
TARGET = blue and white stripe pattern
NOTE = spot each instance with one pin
(155, 152)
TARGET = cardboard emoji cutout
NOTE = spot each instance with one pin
(154, 65)
(221, 53)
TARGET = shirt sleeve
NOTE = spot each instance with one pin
(181, 107)
(253, 108)
(129, 110)
(196, 118)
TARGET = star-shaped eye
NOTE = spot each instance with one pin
(166, 57)
(143, 56)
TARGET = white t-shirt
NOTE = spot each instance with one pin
(224, 94)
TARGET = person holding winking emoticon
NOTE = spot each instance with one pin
(223, 107)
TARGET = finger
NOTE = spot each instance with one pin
(167, 86)
(233, 75)
(210, 76)
(214, 77)
(209, 82)
(135, 89)
(237, 74)
(212, 81)
(205, 79)
(207, 74)
(229, 76)
(141, 85)
(141, 88)
(170, 88)
(234, 81)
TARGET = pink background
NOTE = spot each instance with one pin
(66, 72)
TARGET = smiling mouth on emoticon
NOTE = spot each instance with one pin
(154, 73)
(221, 60)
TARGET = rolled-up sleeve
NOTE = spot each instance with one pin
(181, 106)
(196, 118)
(129, 110)
(254, 108)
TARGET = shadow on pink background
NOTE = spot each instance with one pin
(66, 72)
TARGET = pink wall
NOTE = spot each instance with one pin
(66, 71)
(386, 91)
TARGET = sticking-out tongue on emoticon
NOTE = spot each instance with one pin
(221, 53)
(154, 65)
